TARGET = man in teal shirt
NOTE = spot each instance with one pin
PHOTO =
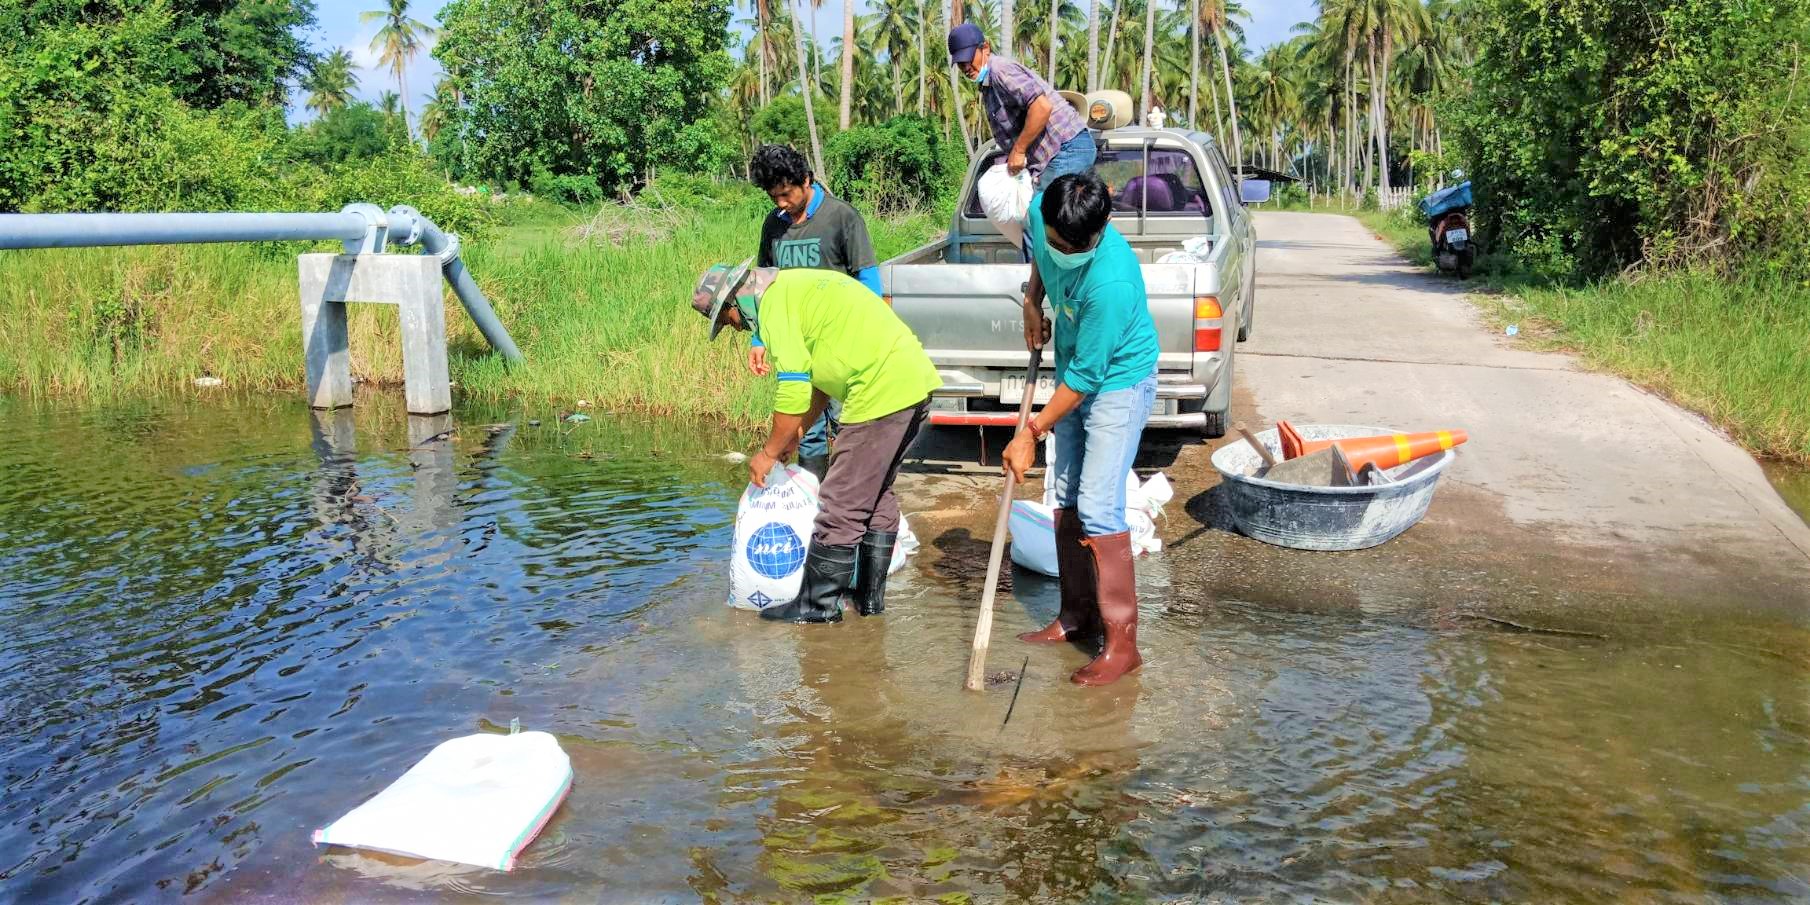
(829, 338)
(1105, 386)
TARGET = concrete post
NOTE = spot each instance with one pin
(412, 283)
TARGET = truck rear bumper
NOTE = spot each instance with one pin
(969, 399)
(1190, 420)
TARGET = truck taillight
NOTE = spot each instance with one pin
(1207, 315)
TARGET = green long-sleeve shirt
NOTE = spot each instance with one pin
(1104, 337)
(826, 330)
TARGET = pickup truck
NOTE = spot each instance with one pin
(963, 294)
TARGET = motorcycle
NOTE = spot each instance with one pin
(1452, 248)
(1449, 227)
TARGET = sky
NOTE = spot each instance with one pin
(338, 26)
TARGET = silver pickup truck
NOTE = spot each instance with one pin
(963, 294)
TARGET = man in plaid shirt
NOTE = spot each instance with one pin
(1036, 128)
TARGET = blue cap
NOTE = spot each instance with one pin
(964, 40)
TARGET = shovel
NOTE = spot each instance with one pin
(983, 628)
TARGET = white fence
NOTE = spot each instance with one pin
(1394, 198)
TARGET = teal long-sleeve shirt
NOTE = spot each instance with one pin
(1104, 337)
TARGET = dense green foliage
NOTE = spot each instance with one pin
(901, 165)
(782, 122)
(608, 90)
(1603, 133)
(206, 52)
(354, 131)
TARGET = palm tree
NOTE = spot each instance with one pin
(848, 61)
(762, 17)
(398, 41)
(1112, 34)
(809, 93)
(1149, 51)
(1055, 20)
(1006, 28)
(331, 81)
(923, 38)
(1093, 45)
(890, 29)
(955, 83)
(438, 110)
(1277, 99)
(1193, 62)
(1216, 16)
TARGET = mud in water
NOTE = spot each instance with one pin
(225, 626)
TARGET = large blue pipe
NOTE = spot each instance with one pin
(86, 230)
(362, 227)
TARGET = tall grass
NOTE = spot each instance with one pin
(1735, 349)
(597, 319)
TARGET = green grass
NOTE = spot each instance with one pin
(605, 318)
(1734, 349)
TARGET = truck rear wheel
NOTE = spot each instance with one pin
(1219, 402)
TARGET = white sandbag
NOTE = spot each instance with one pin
(479, 799)
(1033, 536)
(1144, 501)
(1006, 200)
(906, 545)
(773, 529)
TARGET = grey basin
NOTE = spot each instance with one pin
(1325, 518)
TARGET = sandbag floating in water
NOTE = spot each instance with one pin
(479, 799)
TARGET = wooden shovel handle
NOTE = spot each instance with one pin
(1251, 438)
(983, 627)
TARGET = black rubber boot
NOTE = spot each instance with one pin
(816, 465)
(876, 558)
(829, 573)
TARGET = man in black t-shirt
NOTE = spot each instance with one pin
(809, 227)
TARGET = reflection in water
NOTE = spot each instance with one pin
(225, 627)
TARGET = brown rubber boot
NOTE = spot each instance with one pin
(1118, 593)
(1079, 618)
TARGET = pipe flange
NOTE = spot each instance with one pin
(402, 216)
(450, 253)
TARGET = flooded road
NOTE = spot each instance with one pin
(223, 627)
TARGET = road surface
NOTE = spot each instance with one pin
(1580, 501)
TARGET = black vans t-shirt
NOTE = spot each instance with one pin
(834, 237)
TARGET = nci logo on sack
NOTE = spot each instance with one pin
(775, 550)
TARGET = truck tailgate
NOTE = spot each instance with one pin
(972, 314)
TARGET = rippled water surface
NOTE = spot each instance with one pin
(223, 627)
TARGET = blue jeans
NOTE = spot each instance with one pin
(1095, 446)
(817, 437)
(1075, 156)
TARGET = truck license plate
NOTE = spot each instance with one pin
(1011, 389)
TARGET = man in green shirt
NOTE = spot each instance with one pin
(1106, 353)
(828, 337)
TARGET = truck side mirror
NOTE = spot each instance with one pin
(1254, 191)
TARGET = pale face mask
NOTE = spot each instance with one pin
(1071, 260)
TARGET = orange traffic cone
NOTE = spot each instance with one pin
(1385, 450)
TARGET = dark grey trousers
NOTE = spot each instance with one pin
(857, 491)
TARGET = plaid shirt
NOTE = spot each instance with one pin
(1008, 94)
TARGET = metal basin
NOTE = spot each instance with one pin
(1325, 518)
